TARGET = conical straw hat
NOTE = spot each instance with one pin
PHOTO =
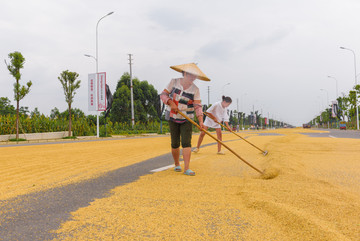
(191, 68)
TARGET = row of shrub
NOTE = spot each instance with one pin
(81, 126)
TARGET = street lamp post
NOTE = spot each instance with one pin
(327, 97)
(327, 102)
(131, 93)
(242, 109)
(337, 123)
(224, 87)
(356, 104)
(97, 70)
(336, 85)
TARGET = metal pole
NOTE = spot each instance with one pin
(132, 94)
(224, 87)
(208, 96)
(222, 143)
(327, 96)
(327, 103)
(97, 71)
(237, 109)
(336, 81)
(356, 104)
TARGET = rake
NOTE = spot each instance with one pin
(222, 143)
(263, 152)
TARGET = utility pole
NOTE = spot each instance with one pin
(132, 93)
(237, 108)
(254, 117)
(208, 96)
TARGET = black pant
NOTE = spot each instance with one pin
(180, 131)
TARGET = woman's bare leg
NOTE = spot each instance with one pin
(186, 156)
(219, 136)
(201, 137)
(176, 155)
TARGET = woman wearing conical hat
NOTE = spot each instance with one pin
(182, 94)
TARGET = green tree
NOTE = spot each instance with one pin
(55, 113)
(35, 113)
(121, 109)
(16, 63)
(75, 112)
(5, 107)
(146, 101)
(24, 111)
(70, 85)
(344, 105)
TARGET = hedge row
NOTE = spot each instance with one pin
(80, 126)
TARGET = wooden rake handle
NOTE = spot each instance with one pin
(222, 143)
(236, 134)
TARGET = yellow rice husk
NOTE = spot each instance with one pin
(315, 195)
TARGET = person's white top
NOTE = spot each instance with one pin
(219, 112)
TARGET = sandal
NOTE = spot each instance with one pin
(177, 168)
(196, 150)
(189, 172)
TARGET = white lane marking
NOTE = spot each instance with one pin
(170, 166)
(332, 136)
(162, 168)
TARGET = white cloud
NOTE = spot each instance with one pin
(277, 52)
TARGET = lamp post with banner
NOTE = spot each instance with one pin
(91, 84)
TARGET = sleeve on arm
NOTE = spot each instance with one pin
(198, 106)
(197, 94)
(226, 116)
(170, 86)
(164, 96)
(210, 110)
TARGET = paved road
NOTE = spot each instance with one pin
(57, 141)
(33, 216)
(335, 133)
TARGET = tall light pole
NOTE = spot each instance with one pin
(242, 109)
(224, 87)
(337, 123)
(131, 93)
(327, 97)
(208, 89)
(356, 104)
(97, 71)
(336, 85)
(327, 102)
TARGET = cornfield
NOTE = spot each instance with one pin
(80, 126)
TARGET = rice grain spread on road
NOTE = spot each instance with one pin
(315, 195)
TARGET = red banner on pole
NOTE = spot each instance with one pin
(101, 91)
(91, 92)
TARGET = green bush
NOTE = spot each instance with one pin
(81, 126)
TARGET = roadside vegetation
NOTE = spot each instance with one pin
(344, 112)
(148, 110)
